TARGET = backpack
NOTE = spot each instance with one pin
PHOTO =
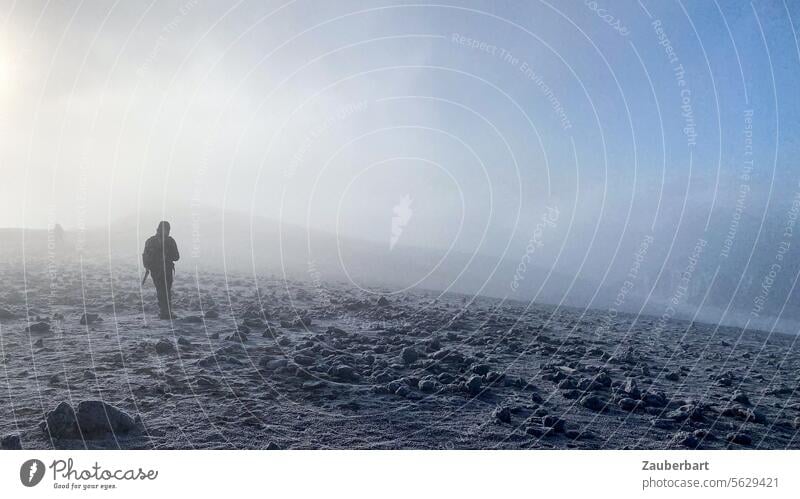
(153, 254)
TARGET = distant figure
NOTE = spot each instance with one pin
(159, 257)
(58, 234)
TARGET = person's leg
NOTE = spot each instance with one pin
(159, 280)
(168, 290)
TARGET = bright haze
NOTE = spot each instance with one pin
(639, 156)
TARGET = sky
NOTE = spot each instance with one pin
(458, 124)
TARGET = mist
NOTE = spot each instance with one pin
(467, 147)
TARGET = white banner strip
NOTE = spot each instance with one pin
(388, 474)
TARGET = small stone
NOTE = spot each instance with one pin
(480, 369)
(631, 388)
(556, 423)
(593, 403)
(685, 440)
(502, 414)
(344, 372)
(38, 328)
(184, 342)
(603, 379)
(165, 347)
(539, 431)
(409, 355)
(273, 446)
(567, 384)
(383, 301)
(672, 376)
(741, 398)
(211, 314)
(473, 384)
(664, 424)
(427, 385)
(628, 404)
(403, 390)
(654, 399)
(303, 360)
(739, 438)
(39, 343)
(703, 434)
(240, 336)
(87, 319)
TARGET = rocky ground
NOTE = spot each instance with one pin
(270, 363)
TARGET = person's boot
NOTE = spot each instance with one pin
(166, 315)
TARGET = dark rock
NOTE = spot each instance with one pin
(740, 397)
(39, 343)
(335, 331)
(240, 336)
(211, 314)
(654, 399)
(567, 384)
(165, 347)
(603, 379)
(556, 423)
(688, 411)
(480, 369)
(502, 414)
(427, 384)
(540, 431)
(629, 404)
(632, 388)
(744, 414)
(273, 446)
(300, 322)
(672, 376)
(703, 434)
(739, 438)
(409, 355)
(473, 384)
(685, 440)
(593, 402)
(94, 419)
(303, 360)
(382, 301)
(215, 336)
(97, 419)
(6, 314)
(61, 422)
(664, 424)
(344, 372)
(11, 442)
(38, 328)
(87, 319)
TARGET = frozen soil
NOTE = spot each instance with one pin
(270, 363)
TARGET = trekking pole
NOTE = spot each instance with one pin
(146, 273)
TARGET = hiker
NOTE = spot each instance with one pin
(159, 257)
